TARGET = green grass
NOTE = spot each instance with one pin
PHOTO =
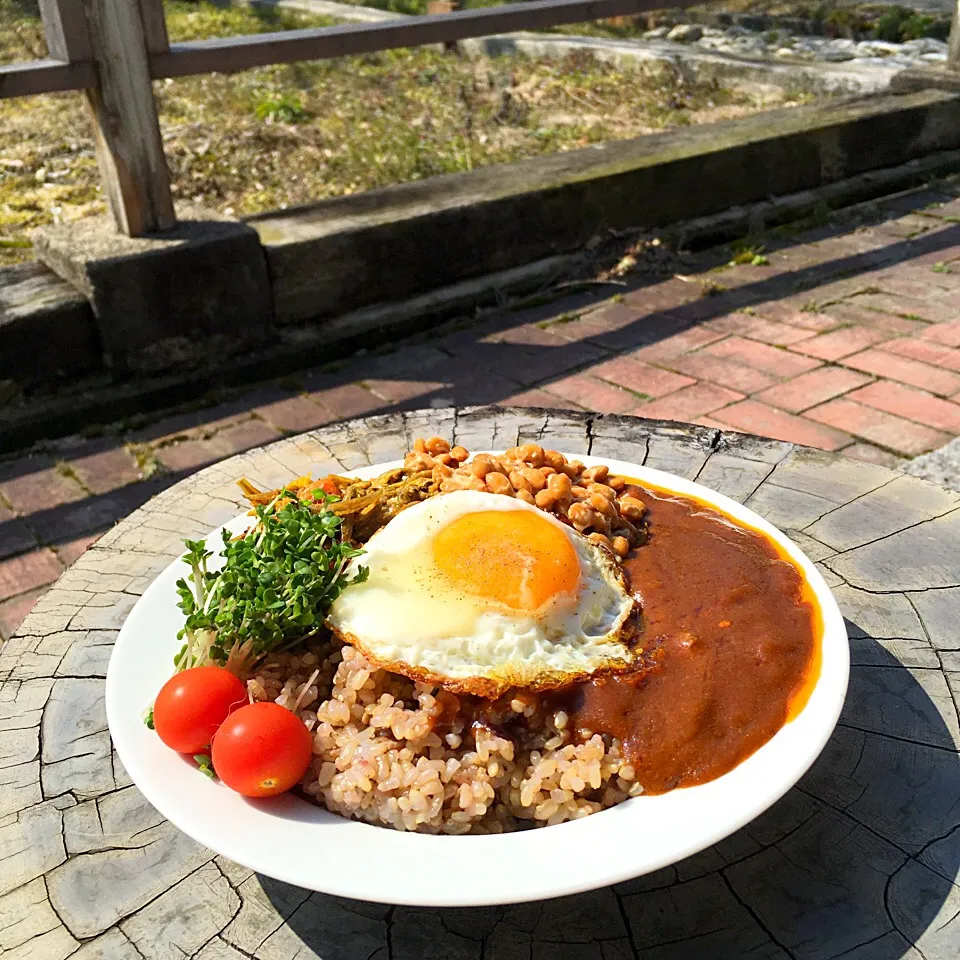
(280, 136)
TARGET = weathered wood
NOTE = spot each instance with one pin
(953, 48)
(226, 54)
(65, 26)
(43, 76)
(154, 26)
(860, 860)
(133, 168)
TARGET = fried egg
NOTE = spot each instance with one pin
(479, 592)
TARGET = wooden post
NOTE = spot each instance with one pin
(953, 51)
(65, 25)
(133, 168)
(154, 26)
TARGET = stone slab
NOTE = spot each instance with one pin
(385, 241)
(47, 329)
(157, 299)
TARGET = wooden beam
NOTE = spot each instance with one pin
(65, 24)
(154, 26)
(44, 76)
(227, 54)
(133, 168)
(953, 49)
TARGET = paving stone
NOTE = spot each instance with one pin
(753, 416)
(36, 484)
(676, 344)
(641, 378)
(13, 612)
(106, 470)
(28, 571)
(757, 328)
(895, 433)
(777, 363)
(913, 404)
(594, 395)
(882, 363)
(926, 351)
(812, 388)
(726, 373)
(690, 402)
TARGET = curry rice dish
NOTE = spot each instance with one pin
(693, 642)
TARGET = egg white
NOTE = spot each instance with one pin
(406, 618)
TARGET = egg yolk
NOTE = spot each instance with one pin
(518, 559)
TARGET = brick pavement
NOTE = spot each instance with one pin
(847, 339)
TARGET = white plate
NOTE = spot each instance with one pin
(294, 841)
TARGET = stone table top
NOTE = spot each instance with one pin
(860, 860)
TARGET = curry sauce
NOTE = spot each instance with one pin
(730, 640)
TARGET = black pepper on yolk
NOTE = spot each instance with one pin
(515, 558)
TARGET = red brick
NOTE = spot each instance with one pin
(863, 317)
(946, 333)
(207, 421)
(593, 395)
(15, 535)
(107, 470)
(397, 391)
(72, 550)
(726, 373)
(294, 415)
(904, 285)
(812, 388)
(913, 404)
(187, 455)
(581, 328)
(665, 296)
(926, 351)
(27, 572)
(675, 345)
(884, 364)
(871, 454)
(13, 612)
(808, 319)
(757, 328)
(751, 416)
(689, 403)
(243, 436)
(842, 342)
(191, 453)
(884, 429)
(925, 309)
(639, 377)
(525, 335)
(760, 356)
(346, 401)
(38, 485)
(535, 398)
(646, 329)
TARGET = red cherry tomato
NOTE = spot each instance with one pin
(262, 750)
(193, 703)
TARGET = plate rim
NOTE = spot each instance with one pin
(559, 881)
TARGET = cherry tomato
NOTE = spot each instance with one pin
(261, 750)
(193, 703)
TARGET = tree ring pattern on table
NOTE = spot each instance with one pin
(860, 859)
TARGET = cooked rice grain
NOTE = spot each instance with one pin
(377, 756)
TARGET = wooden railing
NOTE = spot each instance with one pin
(113, 49)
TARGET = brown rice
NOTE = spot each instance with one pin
(379, 757)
